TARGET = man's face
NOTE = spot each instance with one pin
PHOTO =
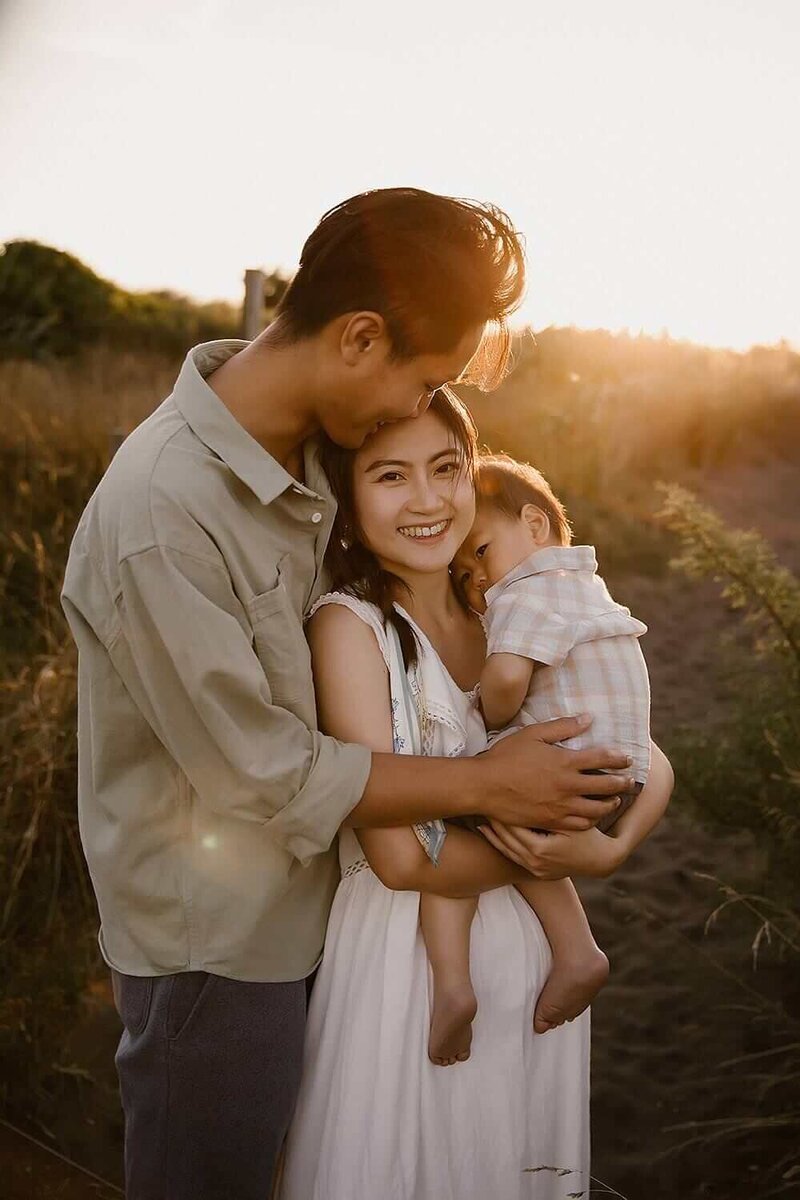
(373, 388)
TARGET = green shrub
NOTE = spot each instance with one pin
(53, 306)
(746, 775)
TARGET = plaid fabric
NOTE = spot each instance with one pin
(555, 609)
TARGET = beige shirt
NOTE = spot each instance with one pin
(208, 801)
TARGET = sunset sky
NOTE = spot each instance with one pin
(647, 150)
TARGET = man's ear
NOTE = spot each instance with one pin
(362, 337)
(538, 523)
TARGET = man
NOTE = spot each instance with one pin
(209, 802)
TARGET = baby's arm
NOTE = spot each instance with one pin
(505, 681)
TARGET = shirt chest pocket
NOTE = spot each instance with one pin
(282, 650)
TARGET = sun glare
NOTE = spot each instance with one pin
(643, 150)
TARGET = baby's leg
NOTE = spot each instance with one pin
(445, 925)
(580, 968)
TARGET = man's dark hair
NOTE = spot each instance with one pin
(507, 486)
(432, 266)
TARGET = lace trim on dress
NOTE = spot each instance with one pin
(360, 864)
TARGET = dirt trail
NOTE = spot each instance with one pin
(681, 1001)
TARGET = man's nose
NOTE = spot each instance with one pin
(423, 404)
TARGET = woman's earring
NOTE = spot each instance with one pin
(344, 543)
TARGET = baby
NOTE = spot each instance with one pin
(557, 644)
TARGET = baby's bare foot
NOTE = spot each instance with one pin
(454, 1011)
(570, 988)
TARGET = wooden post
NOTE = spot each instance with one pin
(253, 303)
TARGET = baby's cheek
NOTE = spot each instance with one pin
(475, 600)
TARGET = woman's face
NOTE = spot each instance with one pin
(413, 496)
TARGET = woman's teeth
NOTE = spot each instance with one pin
(423, 531)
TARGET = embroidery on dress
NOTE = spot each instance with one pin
(398, 741)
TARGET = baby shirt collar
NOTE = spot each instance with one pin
(551, 558)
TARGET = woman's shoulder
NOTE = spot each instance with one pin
(365, 609)
(332, 603)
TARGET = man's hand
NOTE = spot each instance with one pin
(557, 855)
(528, 782)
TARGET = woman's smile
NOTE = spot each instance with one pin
(431, 533)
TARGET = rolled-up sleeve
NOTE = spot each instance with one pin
(184, 651)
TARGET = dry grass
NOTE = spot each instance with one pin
(604, 418)
(53, 447)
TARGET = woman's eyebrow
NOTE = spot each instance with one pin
(399, 462)
(385, 462)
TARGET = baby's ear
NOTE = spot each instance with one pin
(538, 523)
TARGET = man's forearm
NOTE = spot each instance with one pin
(403, 790)
(520, 781)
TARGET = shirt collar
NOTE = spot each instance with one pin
(552, 558)
(218, 429)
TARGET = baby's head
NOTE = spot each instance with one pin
(517, 514)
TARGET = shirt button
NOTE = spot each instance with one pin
(316, 518)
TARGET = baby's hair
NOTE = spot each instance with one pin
(506, 485)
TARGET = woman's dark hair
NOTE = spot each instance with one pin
(352, 566)
(506, 485)
(434, 267)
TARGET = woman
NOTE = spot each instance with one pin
(396, 661)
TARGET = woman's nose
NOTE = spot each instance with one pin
(427, 498)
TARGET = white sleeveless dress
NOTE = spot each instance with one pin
(375, 1119)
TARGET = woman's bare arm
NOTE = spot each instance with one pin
(642, 817)
(343, 650)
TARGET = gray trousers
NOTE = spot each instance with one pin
(209, 1070)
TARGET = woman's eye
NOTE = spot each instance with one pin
(479, 553)
(447, 468)
(390, 477)
(464, 580)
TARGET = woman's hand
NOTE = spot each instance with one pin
(557, 855)
(590, 853)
